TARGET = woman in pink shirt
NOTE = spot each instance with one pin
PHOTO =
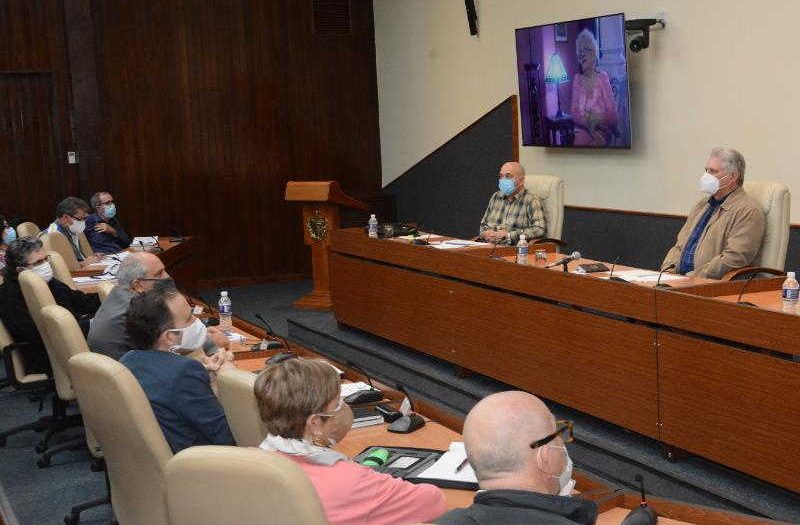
(594, 109)
(301, 406)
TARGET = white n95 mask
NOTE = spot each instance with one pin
(192, 337)
(709, 183)
(77, 227)
(43, 270)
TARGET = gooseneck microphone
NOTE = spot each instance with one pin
(270, 345)
(574, 256)
(408, 423)
(658, 281)
(643, 514)
(741, 293)
(373, 395)
(611, 276)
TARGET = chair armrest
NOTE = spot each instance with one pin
(11, 375)
(747, 271)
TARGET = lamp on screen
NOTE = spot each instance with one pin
(556, 74)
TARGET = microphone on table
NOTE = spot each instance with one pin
(611, 276)
(421, 242)
(574, 256)
(373, 395)
(407, 423)
(269, 344)
(658, 281)
(643, 514)
(741, 293)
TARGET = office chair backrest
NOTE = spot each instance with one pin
(66, 340)
(60, 269)
(103, 289)
(15, 365)
(775, 200)
(551, 192)
(235, 388)
(115, 407)
(28, 229)
(56, 242)
(37, 295)
(259, 487)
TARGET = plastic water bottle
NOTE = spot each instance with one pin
(522, 250)
(225, 313)
(373, 226)
(790, 292)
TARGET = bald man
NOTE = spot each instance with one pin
(516, 448)
(512, 209)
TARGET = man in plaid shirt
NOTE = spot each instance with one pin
(512, 210)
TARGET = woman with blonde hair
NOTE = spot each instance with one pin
(301, 405)
(593, 107)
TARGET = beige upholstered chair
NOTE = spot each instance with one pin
(55, 242)
(259, 487)
(60, 269)
(775, 199)
(235, 391)
(116, 409)
(38, 297)
(551, 191)
(103, 289)
(86, 248)
(28, 229)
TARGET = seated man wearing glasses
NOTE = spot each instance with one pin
(28, 254)
(518, 453)
(71, 214)
(512, 210)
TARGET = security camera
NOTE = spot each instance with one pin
(642, 41)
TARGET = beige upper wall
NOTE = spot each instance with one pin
(723, 72)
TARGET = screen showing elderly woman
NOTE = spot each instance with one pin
(573, 84)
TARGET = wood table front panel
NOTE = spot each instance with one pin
(602, 366)
(739, 408)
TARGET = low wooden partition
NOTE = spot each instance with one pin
(686, 365)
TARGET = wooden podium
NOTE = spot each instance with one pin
(321, 203)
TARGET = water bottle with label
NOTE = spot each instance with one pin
(373, 226)
(790, 292)
(522, 250)
(225, 313)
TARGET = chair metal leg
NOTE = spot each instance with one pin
(37, 426)
(58, 424)
(75, 512)
(73, 444)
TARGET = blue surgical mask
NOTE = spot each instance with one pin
(9, 235)
(507, 186)
(110, 211)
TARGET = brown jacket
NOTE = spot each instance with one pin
(731, 240)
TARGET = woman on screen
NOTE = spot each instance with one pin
(301, 405)
(594, 109)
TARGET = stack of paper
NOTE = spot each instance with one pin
(445, 468)
(352, 388)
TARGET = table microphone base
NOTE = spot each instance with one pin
(407, 424)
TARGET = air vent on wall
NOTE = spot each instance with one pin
(331, 17)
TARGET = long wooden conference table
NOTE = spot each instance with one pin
(686, 365)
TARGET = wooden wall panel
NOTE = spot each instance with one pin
(210, 107)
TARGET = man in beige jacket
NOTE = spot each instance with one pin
(723, 232)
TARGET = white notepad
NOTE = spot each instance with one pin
(445, 467)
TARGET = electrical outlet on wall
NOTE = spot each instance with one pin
(72, 157)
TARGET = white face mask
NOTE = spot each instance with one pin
(77, 227)
(709, 183)
(192, 337)
(565, 481)
(43, 270)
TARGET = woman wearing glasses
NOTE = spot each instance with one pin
(301, 405)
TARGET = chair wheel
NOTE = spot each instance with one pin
(40, 448)
(72, 520)
(43, 462)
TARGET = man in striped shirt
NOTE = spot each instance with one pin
(512, 210)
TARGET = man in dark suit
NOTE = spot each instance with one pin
(103, 227)
(27, 253)
(179, 388)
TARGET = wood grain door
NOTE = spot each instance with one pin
(31, 182)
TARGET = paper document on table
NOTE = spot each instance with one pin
(445, 246)
(94, 279)
(445, 467)
(464, 242)
(147, 241)
(352, 388)
(646, 276)
(664, 277)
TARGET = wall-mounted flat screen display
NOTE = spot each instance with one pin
(573, 84)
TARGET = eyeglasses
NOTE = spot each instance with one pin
(332, 413)
(78, 218)
(505, 176)
(563, 429)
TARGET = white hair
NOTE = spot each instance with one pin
(130, 269)
(732, 161)
(586, 37)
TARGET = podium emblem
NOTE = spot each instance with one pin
(317, 227)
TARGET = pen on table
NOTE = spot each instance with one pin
(461, 465)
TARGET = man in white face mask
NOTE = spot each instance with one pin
(517, 450)
(161, 324)
(725, 228)
(71, 214)
(24, 254)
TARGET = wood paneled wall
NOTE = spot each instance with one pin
(195, 114)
